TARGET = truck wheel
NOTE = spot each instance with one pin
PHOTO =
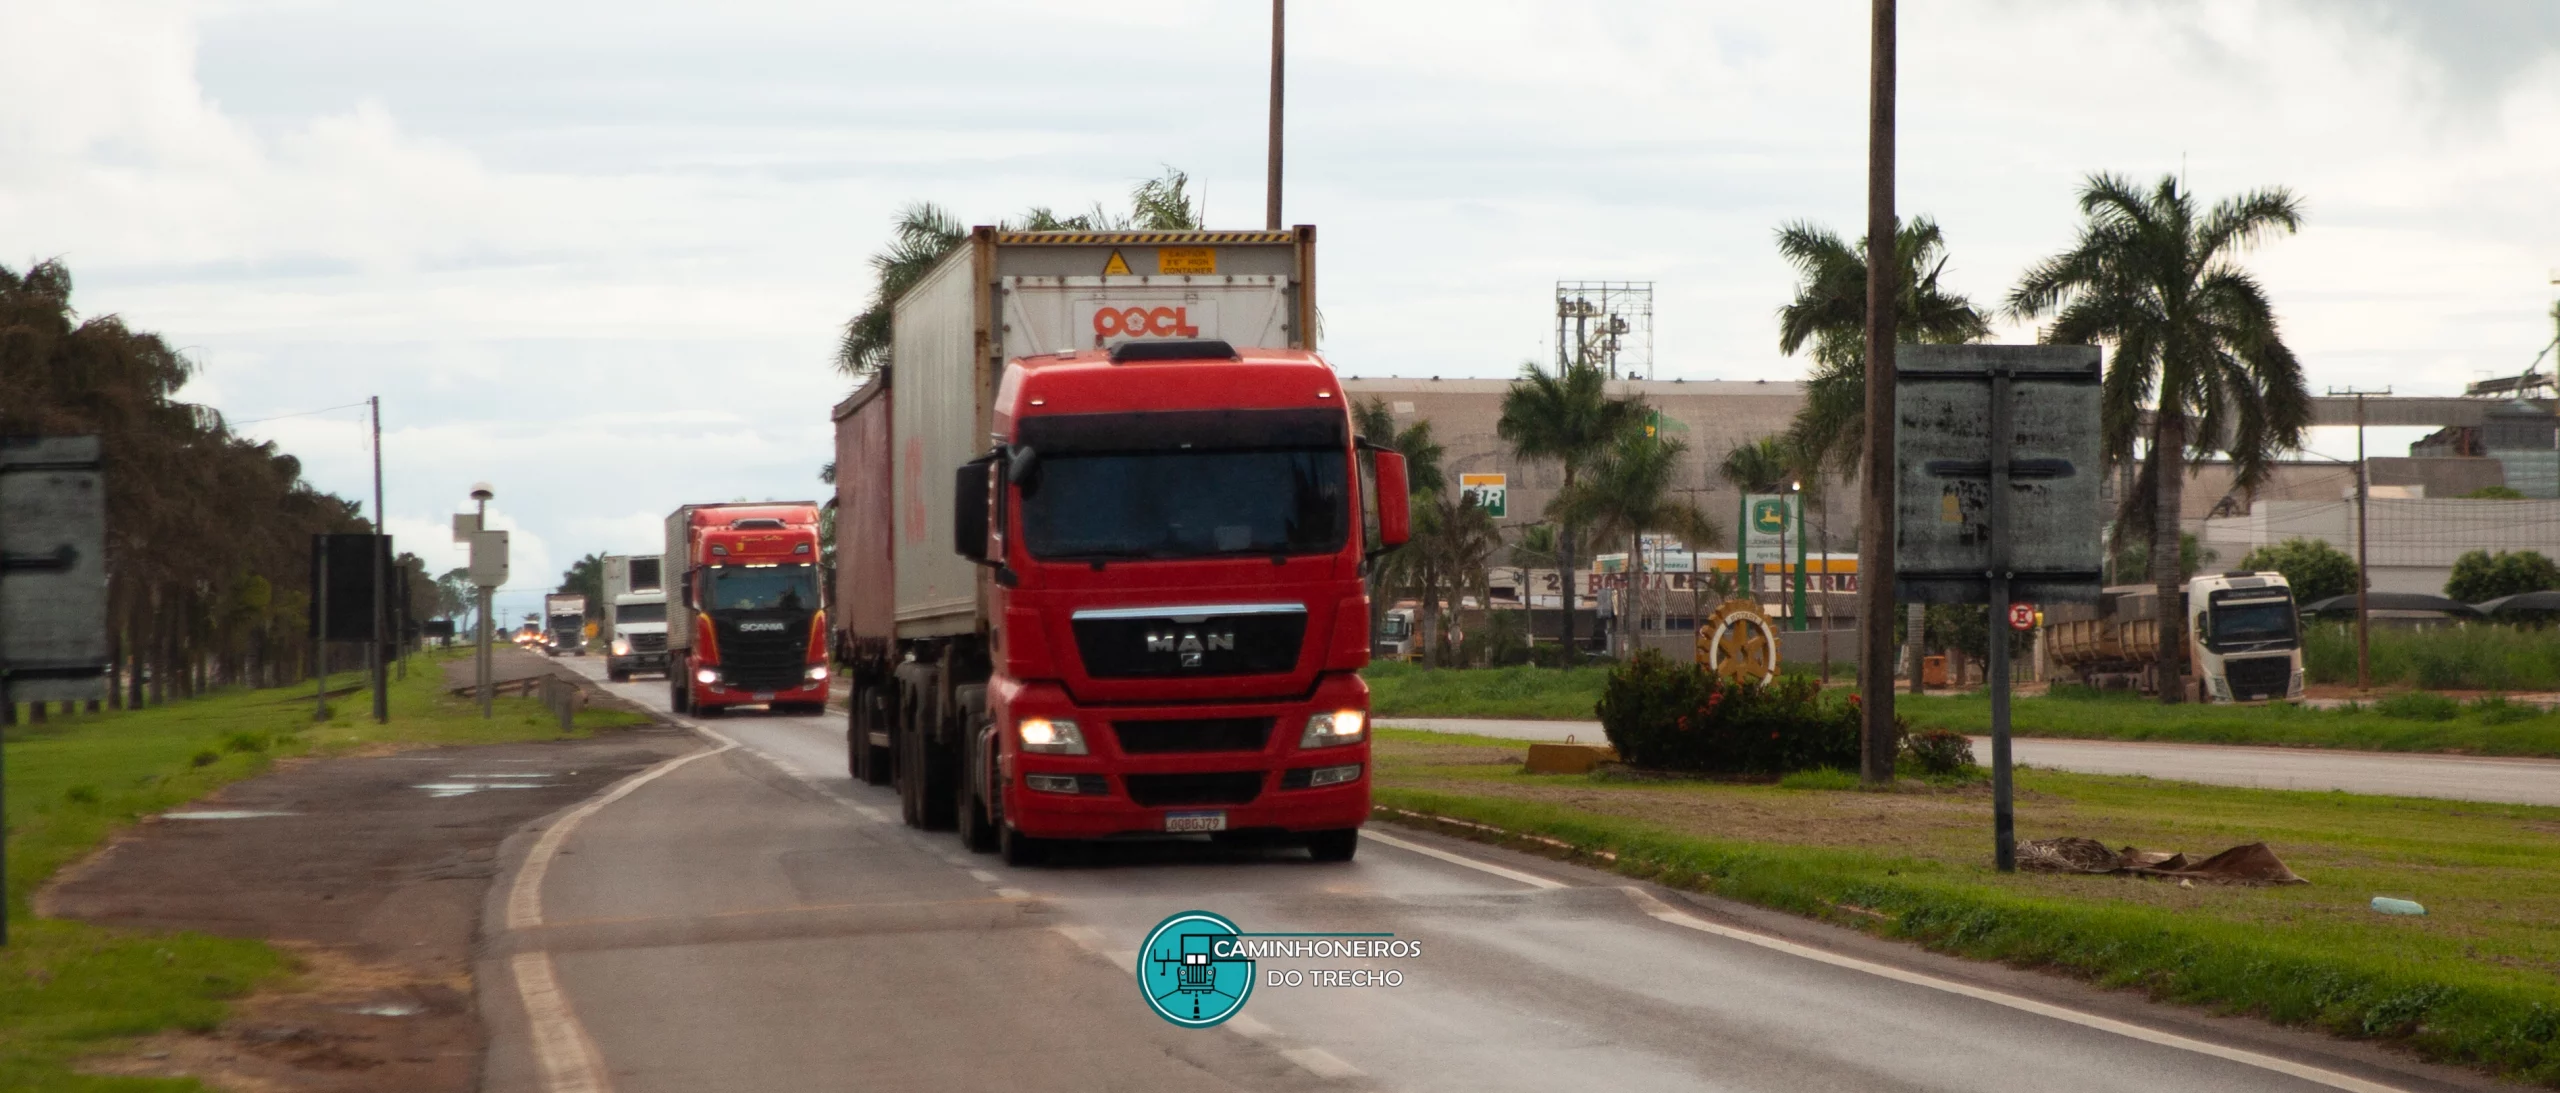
(879, 762)
(1020, 850)
(1336, 845)
(618, 675)
(857, 743)
(910, 768)
(977, 830)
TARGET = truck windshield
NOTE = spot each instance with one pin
(1392, 628)
(1187, 504)
(2252, 622)
(753, 588)
(640, 612)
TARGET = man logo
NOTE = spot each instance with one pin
(1190, 645)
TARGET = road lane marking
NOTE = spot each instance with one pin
(524, 899)
(1012, 893)
(1653, 906)
(568, 1060)
(982, 876)
(1531, 879)
(1321, 1063)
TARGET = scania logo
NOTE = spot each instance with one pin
(744, 626)
(1190, 644)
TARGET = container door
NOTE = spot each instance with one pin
(1060, 314)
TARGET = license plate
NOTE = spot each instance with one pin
(764, 696)
(1195, 821)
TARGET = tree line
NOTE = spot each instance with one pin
(208, 532)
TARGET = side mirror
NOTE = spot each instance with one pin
(971, 505)
(1395, 501)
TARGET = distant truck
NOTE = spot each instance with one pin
(1101, 534)
(2244, 637)
(635, 626)
(564, 615)
(746, 625)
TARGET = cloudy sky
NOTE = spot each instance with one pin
(598, 253)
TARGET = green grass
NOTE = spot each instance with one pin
(2472, 657)
(2413, 722)
(2475, 982)
(67, 988)
(1398, 689)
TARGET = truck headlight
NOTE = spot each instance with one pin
(1050, 737)
(707, 676)
(1327, 730)
(816, 673)
(621, 647)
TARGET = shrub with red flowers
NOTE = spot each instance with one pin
(1666, 715)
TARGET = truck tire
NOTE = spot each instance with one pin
(975, 822)
(880, 762)
(857, 741)
(1335, 845)
(1020, 850)
(618, 675)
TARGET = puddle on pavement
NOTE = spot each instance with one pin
(457, 789)
(224, 814)
(388, 1009)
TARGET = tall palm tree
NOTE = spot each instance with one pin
(1569, 417)
(2194, 337)
(923, 233)
(1453, 543)
(1398, 572)
(1629, 493)
(1829, 313)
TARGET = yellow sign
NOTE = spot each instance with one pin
(1186, 260)
(1116, 267)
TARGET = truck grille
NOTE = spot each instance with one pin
(763, 659)
(1259, 641)
(1194, 734)
(1223, 788)
(2256, 678)
(648, 643)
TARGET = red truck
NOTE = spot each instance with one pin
(1103, 528)
(745, 625)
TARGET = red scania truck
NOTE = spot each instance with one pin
(744, 621)
(1102, 530)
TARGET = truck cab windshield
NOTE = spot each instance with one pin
(2252, 622)
(1187, 504)
(761, 588)
(640, 612)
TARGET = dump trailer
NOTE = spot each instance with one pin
(635, 619)
(746, 625)
(2243, 637)
(1102, 531)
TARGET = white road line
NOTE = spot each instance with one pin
(1530, 879)
(1012, 893)
(524, 900)
(1654, 906)
(1251, 1027)
(982, 876)
(568, 1060)
(1321, 1063)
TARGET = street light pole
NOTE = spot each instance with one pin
(1271, 181)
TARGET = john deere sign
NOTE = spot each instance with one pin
(1770, 519)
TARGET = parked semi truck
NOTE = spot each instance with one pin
(745, 626)
(2243, 637)
(564, 617)
(1102, 531)
(635, 619)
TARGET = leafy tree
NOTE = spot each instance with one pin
(2132, 558)
(1829, 313)
(1627, 494)
(1570, 418)
(2479, 576)
(585, 577)
(2194, 337)
(2315, 569)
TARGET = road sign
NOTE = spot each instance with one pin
(53, 570)
(1996, 474)
(1769, 520)
(1491, 491)
(2022, 616)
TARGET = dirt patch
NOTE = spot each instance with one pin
(371, 869)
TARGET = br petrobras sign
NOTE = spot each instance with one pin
(1197, 969)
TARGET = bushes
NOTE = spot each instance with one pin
(1939, 752)
(1673, 716)
(2471, 656)
(2418, 706)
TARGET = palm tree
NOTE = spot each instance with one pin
(1629, 493)
(1570, 418)
(1829, 312)
(1395, 573)
(923, 234)
(2194, 336)
(1454, 539)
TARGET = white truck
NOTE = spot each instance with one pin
(2243, 639)
(635, 623)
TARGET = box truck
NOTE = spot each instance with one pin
(746, 625)
(635, 616)
(564, 617)
(1103, 527)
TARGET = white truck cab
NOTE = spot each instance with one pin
(2244, 637)
(637, 622)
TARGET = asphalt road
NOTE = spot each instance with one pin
(2459, 777)
(749, 919)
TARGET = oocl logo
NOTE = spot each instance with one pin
(1140, 322)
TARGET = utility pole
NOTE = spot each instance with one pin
(320, 633)
(1876, 531)
(1271, 181)
(381, 587)
(2364, 564)
(481, 494)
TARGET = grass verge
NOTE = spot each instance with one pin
(2414, 722)
(67, 988)
(2472, 983)
(1400, 689)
